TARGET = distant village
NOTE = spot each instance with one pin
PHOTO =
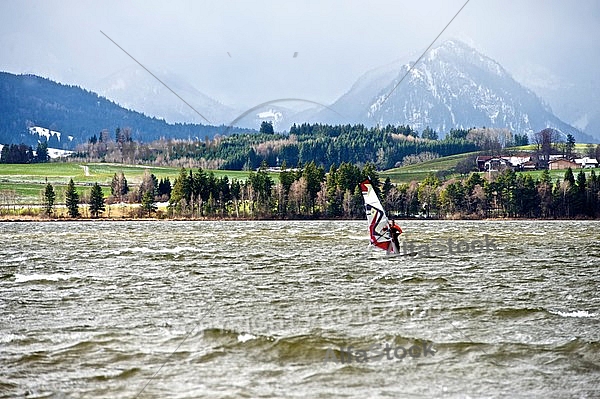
(526, 162)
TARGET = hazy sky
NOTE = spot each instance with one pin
(242, 52)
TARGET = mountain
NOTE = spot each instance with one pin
(135, 88)
(572, 103)
(453, 86)
(34, 108)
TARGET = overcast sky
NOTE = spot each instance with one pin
(242, 53)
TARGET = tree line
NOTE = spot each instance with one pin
(299, 193)
(507, 195)
(310, 192)
(326, 145)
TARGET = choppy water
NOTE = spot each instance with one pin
(252, 309)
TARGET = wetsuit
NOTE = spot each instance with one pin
(395, 232)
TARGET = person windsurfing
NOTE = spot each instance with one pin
(395, 232)
(383, 232)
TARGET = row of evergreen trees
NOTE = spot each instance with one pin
(311, 193)
(509, 194)
(306, 192)
(23, 154)
(72, 200)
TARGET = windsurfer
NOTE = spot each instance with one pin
(395, 232)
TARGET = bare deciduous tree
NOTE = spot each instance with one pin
(544, 141)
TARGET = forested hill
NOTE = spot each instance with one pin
(325, 145)
(29, 101)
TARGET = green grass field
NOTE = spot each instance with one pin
(29, 180)
(62, 172)
(418, 172)
(559, 174)
(96, 172)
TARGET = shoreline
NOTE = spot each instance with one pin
(37, 219)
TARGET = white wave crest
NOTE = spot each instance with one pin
(245, 337)
(147, 250)
(576, 313)
(23, 278)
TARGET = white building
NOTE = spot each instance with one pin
(586, 162)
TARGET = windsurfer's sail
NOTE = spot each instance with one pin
(378, 222)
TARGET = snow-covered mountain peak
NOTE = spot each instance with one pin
(452, 86)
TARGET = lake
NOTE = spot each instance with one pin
(271, 309)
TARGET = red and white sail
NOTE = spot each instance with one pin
(378, 221)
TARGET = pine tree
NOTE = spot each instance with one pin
(568, 193)
(387, 187)
(262, 184)
(5, 154)
(181, 192)
(266, 127)
(369, 172)
(521, 139)
(72, 200)
(593, 194)
(114, 186)
(570, 177)
(544, 189)
(41, 154)
(545, 177)
(570, 145)
(49, 197)
(314, 176)
(148, 203)
(164, 187)
(123, 184)
(118, 186)
(579, 203)
(429, 133)
(96, 200)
